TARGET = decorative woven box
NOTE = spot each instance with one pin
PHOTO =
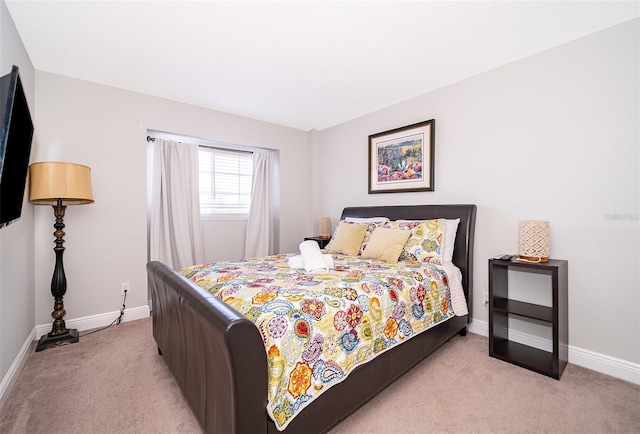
(534, 240)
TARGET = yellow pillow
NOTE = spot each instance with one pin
(347, 238)
(386, 244)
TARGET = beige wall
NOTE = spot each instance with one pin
(16, 240)
(105, 128)
(554, 137)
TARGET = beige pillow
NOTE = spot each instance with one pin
(347, 238)
(386, 244)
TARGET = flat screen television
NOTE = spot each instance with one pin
(15, 146)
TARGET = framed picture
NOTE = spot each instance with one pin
(401, 160)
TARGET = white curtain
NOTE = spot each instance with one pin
(260, 237)
(175, 232)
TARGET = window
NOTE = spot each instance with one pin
(225, 182)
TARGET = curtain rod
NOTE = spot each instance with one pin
(153, 139)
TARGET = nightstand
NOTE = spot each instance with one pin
(501, 307)
(322, 242)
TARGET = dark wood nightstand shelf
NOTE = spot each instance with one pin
(322, 242)
(501, 306)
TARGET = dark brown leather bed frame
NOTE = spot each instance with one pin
(219, 361)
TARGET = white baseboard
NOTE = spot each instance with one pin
(95, 321)
(604, 364)
(479, 327)
(14, 370)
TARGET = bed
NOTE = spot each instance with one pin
(219, 360)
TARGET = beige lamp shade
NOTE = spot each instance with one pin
(324, 227)
(50, 181)
(533, 240)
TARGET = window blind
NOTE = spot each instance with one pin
(225, 178)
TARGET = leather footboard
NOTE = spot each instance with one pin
(215, 354)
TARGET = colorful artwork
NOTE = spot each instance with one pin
(402, 159)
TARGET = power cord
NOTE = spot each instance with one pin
(116, 321)
(124, 299)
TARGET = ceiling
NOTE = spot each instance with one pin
(302, 64)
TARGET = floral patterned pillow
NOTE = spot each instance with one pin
(426, 242)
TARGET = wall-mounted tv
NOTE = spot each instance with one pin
(15, 146)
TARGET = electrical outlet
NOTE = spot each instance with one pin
(485, 297)
(125, 286)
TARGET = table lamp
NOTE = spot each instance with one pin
(324, 227)
(59, 184)
(533, 240)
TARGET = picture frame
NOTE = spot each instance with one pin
(402, 159)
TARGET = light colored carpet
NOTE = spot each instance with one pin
(115, 381)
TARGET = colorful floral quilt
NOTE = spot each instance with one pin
(317, 327)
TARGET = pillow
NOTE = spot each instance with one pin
(366, 219)
(386, 244)
(347, 238)
(451, 228)
(426, 242)
(370, 228)
(406, 225)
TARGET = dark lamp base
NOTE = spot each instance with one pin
(47, 341)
